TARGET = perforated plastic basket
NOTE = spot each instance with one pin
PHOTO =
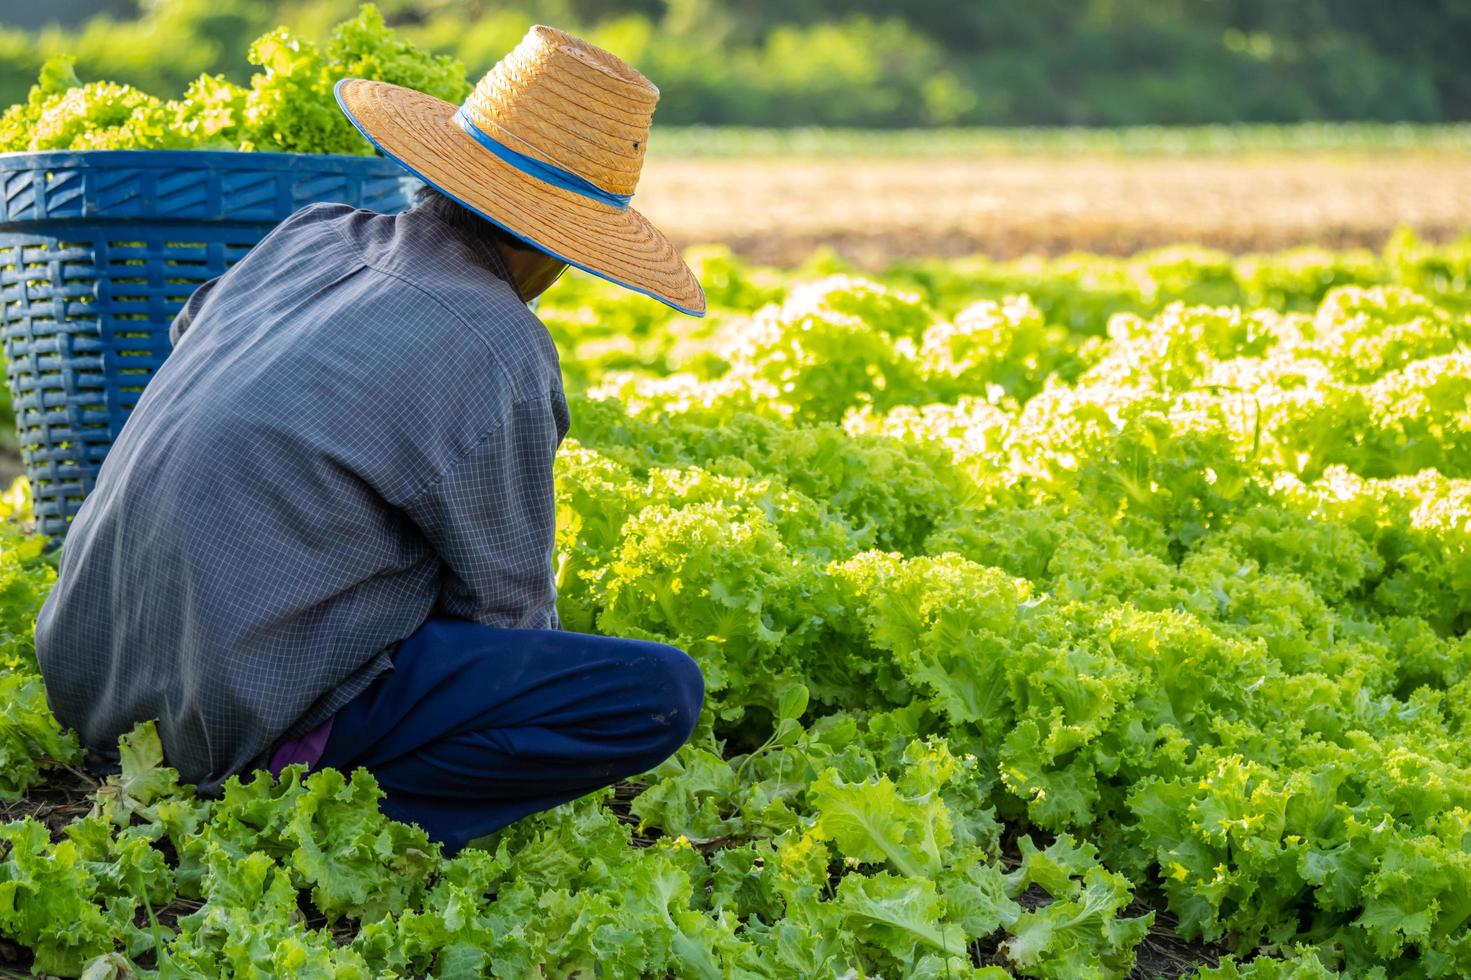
(99, 249)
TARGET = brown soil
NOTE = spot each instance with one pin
(777, 210)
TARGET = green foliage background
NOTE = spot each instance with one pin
(878, 62)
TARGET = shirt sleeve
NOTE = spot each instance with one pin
(492, 518)
(186, 316)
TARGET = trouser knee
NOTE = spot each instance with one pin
(676, 674)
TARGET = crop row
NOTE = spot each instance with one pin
(1017, 622)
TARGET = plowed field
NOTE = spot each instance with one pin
(777, 209)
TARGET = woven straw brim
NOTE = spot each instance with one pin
(419, 131)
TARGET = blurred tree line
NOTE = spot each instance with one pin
(878, 62)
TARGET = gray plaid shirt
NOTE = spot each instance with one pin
(355, 430)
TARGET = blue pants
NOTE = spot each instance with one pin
(475, 727)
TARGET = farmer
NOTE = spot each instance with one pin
(324, 536)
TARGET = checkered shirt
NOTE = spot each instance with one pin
(355, 430)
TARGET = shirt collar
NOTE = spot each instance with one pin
(475, 232)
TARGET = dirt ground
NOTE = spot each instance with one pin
(776, 210)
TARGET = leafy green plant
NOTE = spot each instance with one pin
(288, 105)
(1065, 624)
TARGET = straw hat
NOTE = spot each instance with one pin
(549, 147)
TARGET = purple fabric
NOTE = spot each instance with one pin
(307, 749)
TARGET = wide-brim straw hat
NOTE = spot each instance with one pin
(548, 146)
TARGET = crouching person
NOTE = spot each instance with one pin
(325, 534)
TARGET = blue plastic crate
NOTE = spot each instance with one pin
(99, 249)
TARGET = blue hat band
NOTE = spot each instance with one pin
(546, 172)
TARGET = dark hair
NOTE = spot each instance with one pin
(429, 196)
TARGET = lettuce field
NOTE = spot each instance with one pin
(1055, 615)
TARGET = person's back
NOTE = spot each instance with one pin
(251, 543)
(324, 536)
